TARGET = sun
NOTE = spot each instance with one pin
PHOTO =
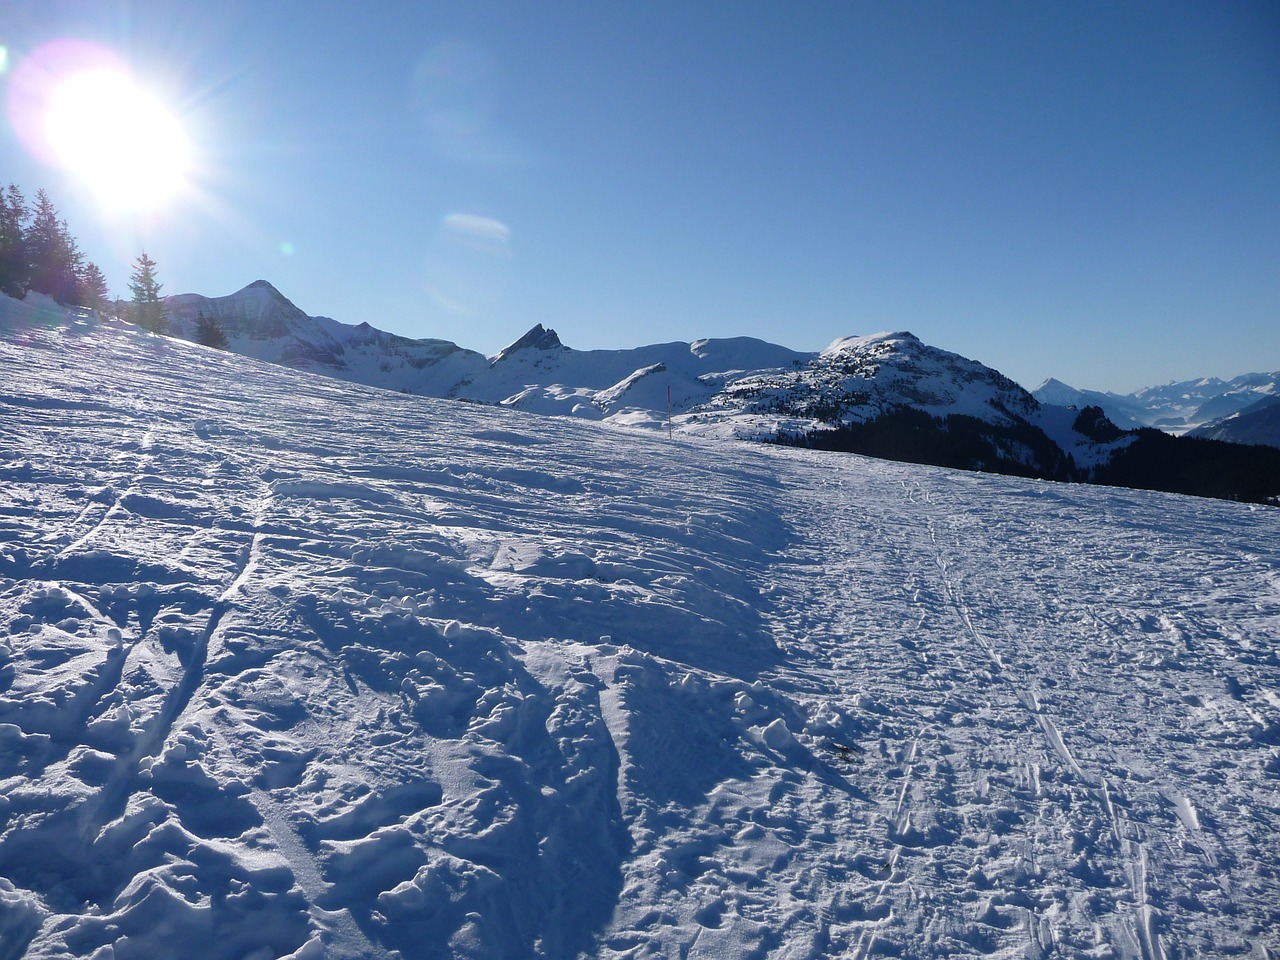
(77, 106)
(119, 139)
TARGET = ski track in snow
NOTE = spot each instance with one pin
(296, 668)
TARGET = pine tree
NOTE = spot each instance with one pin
(209, 332)
(53, 259)
(42, 241)
(148, 308)
(14, 266)
(69, 267)
(93, 287)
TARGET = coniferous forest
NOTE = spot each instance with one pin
(39, 254)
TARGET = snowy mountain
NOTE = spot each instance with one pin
(1173, 407)
(1194, 402)
(1257, 423)
(535, 373)
(292, 667)
(857, 379)
(741, 388)
(262, 323)
(1124, 411)
(887, 395)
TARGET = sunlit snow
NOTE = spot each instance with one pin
(291, 667)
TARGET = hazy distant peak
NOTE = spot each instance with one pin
(1053, 383)
(262, 290)
(1061, 394)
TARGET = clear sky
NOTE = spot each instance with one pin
(1083, 190)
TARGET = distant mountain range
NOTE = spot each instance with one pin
(735, 388)
(1176, 408)
(887, 395)
(1257, 423)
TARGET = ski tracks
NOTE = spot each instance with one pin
(1010, 747)
(126, 628)
(1026, 680)
(1044, 660)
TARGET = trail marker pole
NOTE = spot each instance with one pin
(668, 411)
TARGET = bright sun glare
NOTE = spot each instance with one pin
(77, 105)
(118, 138)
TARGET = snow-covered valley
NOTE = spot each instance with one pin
(297, 667)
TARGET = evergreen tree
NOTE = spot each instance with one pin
(68, 268)
(148, 308)
(15, 269)
(42, 239)
(53, 258)
(209, 332)
(93, 287)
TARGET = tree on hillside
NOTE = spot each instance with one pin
(54, 258)
(93, 288)
(15, 267)
(148, 308)
(209, 332)
(70, 267)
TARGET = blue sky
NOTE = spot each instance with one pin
(1086, 190)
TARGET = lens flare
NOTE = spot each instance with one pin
(454, 92)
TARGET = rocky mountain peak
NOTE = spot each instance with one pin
(538, 338)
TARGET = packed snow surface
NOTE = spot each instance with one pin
(291, 667)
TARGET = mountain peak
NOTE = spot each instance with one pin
(538, 338)
(263, 290)
(1053, 383)
(855, 344)
(263, 285)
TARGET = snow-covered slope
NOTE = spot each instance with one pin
(294, 667)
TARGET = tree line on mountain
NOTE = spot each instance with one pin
(1151, 460)
(958, 441)
(38, 254)
(1155, 460)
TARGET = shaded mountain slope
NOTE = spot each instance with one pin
(1257, 423)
